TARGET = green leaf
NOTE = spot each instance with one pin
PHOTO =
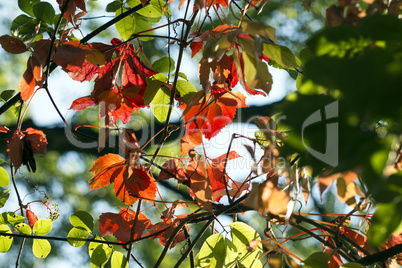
(389, 190)
(154, 9)
(7, 94)
(113, 6)
(77, 232)
(182, 75)
(44, 12)
(27, 6)
(154, 83)
(281, 55)
(82, 219)
(385, 220)
(160, 104)
(126, 26)
(143, 24)
(162, 65)
(5, 241)
(186, 89)
(212, 253)
(11, 218)
(42, 227)
(317, 260)
(99, 253)
(258, 28)
(242, 234)
(4, 195)
(306, 86)
(4, 178)
(352, 265)
(256, 73)
(119, 260)
(23, 27)
(41, 248)
(23, 228)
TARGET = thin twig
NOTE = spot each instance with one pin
(188, 238)
(130, 246)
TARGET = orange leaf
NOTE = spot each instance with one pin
(188, 142)
(210, 118)
(139, 184)
(223, 29)
(27, 84)
(82, 103)
(324, 182)
(106, 168)
(32, 218)
(200, 185)
(195, 47)
(12, 45)
(71, 53)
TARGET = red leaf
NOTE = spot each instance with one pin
(139, 184)
(12, 45)
(171, 166)
(71, 53)
(119, 225)
(15, 149)
(32, 218)
(195, 47)
(200, 184)
(169, 226)
(82, 103)
(37, 139)
(106, 168)
(214, 116)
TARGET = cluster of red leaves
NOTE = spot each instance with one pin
(209, 115)
(23, 144)
(204, 179)
(118, 101)
(131, 181)
(120, 226)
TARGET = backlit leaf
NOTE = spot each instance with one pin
(186, 89)
(23, 228)
(164, 65)
(5, 241)
(11, 218)
(77, 232)
(154, 83)
(41, 248)
(4, 178)
(99, 252)
(126, 26)
(106, 168)
(281, 55)
(212, 253)
(119, 260)
(210, 118)
(82, 219)
(258, 28)
(161, 103)
(42, 227)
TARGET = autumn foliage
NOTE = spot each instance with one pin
(289, 153)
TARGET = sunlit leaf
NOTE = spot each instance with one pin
(41, 248)
(164, 65)
(11, 218)
(119, 260)
(23, 228)
(212, 252)
(4, 178)
(77, 232)
(317, 260)
(99, 252)
(5, 241)
(161, 103)
(82, 219)
(4, 195)
(42, 227)
(125, 27)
